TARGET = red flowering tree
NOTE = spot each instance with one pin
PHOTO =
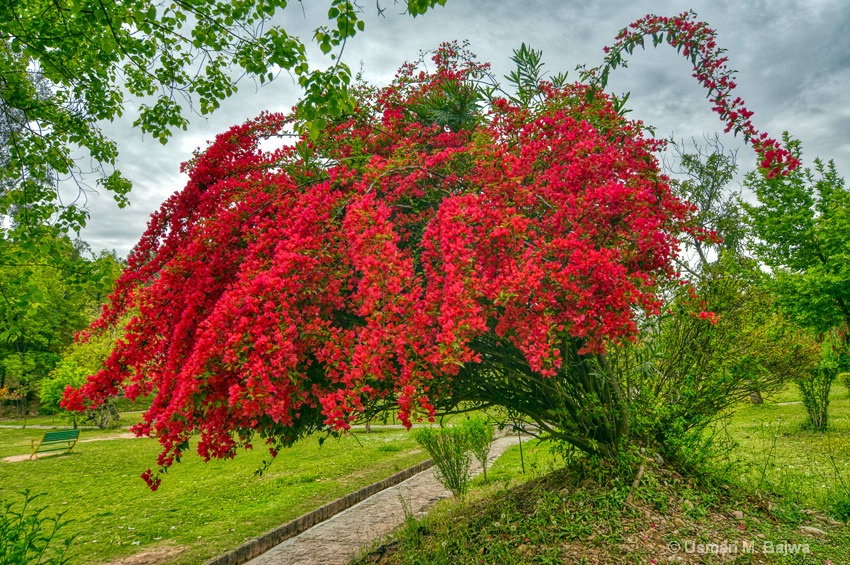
(439, 245)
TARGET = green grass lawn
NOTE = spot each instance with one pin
(777, 453)
(202, 509)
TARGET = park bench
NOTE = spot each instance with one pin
(55, 441)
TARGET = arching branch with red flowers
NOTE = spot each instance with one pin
(432, 247)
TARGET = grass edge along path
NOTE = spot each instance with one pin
(580, 515)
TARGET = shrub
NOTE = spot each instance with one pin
(845, 380)
(685, 372)
(449, 448)
(27, 536)
(814, 387)
(480, 435)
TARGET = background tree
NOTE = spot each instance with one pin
(703, 177)
(42, 307)
(79, 360)
(800, 230)
(66, 65)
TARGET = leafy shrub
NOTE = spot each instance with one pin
(480, 435)
(450, 450)
(841, 504)
(27, 536)
(814, 387)
(686, 371)
(80, 360)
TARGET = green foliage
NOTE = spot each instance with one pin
(449, 448)
(685, 372)
(800, 228)
(66, 373)
(79, 360)
(480, 433)
(527, 76)
(720, 341)
(845, 380)
(814, 388)
(51, 290)
(841, 505)
(68, 65)
(456, 105)
(29, 537)
(704, 176)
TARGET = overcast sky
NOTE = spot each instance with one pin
(793, 59)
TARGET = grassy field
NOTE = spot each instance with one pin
(779, 475)
(201, 509)
(775, 451)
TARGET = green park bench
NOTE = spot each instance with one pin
(55, 441)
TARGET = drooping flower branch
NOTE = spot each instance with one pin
(431, 241)
(696, 41)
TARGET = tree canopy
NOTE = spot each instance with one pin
(442, 242)
(42, 307)
(66, 65)
(800, 228)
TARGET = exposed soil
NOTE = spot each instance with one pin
(152, 556)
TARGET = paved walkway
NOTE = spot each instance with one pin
(340, 538)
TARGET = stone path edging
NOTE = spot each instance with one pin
(262, 543)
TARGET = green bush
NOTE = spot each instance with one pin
(814, 387)
(450, 450)
(480, 434)
(840, 507)
(27, 536)
(845, 380)
(685, 372)
(80, 360)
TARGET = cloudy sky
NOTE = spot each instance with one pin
(793, 59)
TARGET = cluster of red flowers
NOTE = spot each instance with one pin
(697, 42)
(282, 291)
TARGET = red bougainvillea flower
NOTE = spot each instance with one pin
(288, 290)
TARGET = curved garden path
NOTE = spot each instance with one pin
(340, 538)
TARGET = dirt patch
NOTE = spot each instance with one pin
(126, 435)
(152, 556)
(19, 458)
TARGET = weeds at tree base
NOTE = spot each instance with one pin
(580, 513)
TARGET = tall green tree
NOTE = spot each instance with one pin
(42, 306)
(801, 229)
(703, 177)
